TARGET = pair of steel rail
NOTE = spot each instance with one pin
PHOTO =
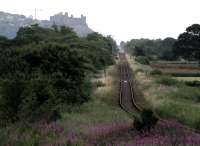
(126, 72)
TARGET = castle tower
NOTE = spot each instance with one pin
(83, 18)
(66, 14)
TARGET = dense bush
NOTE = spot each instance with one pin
(189, 93)
(138, 51)
(167, 80)
(193, 83)
(156, 72)
(10, 100)
(197, 124)
(40, 101)
(148, 120)
(185, 74)
(51, 74)
(142, 60)
(45, 69)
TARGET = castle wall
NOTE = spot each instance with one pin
(61, 19)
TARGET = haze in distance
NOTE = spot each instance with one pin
(123, 19)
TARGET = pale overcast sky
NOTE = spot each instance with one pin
(123, 19)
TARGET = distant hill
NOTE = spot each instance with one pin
(10, 23)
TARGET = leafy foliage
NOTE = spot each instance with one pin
(193, 83)
(156, 72)
(148, 121)
(155, 49)
(188, 44)
(44, 69)
(138, 51)
(167, 80)
(143, 60)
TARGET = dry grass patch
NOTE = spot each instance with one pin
(108, 93)
(188, 78)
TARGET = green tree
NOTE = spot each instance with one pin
(4, 42)
(138, 51)
(68, 33)
(188, 44)
(55, 27)
(10, 100)
(26, 35)
(45, 69)
(155, 49)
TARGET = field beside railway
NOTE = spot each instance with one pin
(169, 97)
(178, 69)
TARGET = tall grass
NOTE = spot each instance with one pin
(184, 112)
(170, 98)
(191, 94)
(166, 80)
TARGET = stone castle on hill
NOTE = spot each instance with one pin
(10, 23)
(61, 19)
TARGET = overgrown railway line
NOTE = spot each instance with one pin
(126, 94)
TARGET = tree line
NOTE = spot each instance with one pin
(44, 70)
(186, 47)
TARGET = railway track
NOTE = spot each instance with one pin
(126, 94)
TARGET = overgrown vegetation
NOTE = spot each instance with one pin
(147, 122)
(156, 72)
(153, 49)
(187, 45)
(170, 98)
(188, 93)
(43, 70)
(143, 60)
(167, 80)
(194, 83)
(80, 125)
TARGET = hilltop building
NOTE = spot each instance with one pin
(10, 23)
(62, 19)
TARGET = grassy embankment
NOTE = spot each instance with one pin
(169, 97)
(93, 119)
(104, 105)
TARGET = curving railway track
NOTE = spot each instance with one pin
(126, 94)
